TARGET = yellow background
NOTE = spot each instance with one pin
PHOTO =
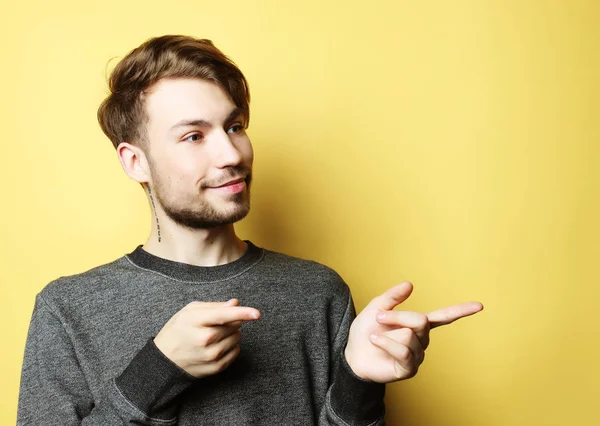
(451, 143)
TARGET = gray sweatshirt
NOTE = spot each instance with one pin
(90, 358)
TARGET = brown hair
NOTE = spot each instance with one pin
(122, 116)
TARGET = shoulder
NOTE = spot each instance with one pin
(307, 271)
(77, 288)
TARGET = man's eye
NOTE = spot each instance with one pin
(236, 128)
(194, 137)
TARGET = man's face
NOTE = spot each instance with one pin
(199, 155)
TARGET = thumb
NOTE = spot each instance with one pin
(393, 297)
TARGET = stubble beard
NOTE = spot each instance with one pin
(203, 214)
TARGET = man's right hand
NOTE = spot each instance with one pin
(202, 338)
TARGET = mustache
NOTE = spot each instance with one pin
(228, 174)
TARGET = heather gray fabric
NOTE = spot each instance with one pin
(90, 358)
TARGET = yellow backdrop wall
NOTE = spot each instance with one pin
(450, 143)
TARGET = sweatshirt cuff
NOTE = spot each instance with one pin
(354, 399)
(152, 382)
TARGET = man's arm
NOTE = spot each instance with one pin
(54, 390)
(383, 346)
(350, 399)
(199, 340)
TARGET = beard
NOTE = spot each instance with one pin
(199, 212)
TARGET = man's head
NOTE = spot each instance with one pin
(177, 114)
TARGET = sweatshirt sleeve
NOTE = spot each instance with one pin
(351, 400)
(54, 389)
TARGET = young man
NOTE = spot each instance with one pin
(197, 326)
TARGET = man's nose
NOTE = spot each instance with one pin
(225, 152)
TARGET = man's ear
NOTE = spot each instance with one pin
(134, 162)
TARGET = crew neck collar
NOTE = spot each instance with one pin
(186, 272)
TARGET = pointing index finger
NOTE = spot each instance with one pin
(450, 314)
(227, 314)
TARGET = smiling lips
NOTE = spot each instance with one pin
(233, 186)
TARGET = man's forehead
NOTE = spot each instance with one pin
(170, 100)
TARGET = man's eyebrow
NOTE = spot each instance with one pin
(189, 123)
(233, 114)
(203, 123)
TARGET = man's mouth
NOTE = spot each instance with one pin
(230, 183)
(233, 186)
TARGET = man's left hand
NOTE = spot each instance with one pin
(385, 345)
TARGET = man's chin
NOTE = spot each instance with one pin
(213, 221)
(240, 213)
(232, 204)
(229, 214)
(212, 213)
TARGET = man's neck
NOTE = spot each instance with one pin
(200, 247)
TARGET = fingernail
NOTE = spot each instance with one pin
(373, 337)
(254, 315)
(381, 315)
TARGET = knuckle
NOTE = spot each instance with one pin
(202, 339)
(215, 354)
(404, 354)
(426, 342)
(224, 362)
(398, 370)
(211, 336)
(221, 365)
(207, 355)
(212, 369)
(412, 372)
(405, 334)
(422, 320)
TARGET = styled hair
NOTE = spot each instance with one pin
(122, 115)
